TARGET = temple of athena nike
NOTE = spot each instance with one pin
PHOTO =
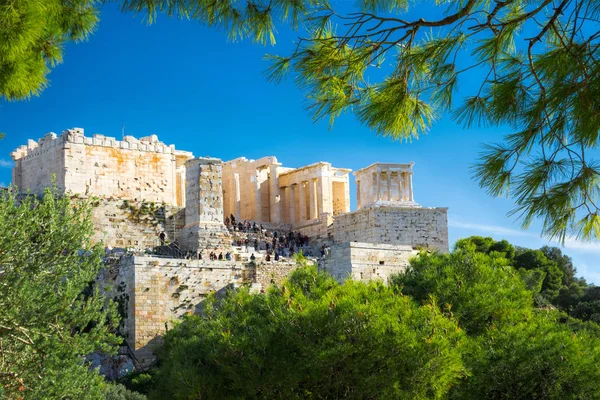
(143, 189)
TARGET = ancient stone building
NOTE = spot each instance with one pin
(380, 183)
(103, 166)
(145, 188)
(276, 194)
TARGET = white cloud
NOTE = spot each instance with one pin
(5, 163)
(499, 230)
(571, 243)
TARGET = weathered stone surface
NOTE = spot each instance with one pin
(204, 228)
(102, 166)
(418, 227)
(366, 261)
(263, 190)
(154, 292)
(135, 224)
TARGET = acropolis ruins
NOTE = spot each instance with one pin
(144, 187)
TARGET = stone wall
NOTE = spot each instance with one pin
(144, 169)
(154, 292)
(204, 228)
(268, 273)
(131, 224)
(37, 162)
(418, 227)
(317, 229)
(366, 261)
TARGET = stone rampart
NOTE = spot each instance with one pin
(366, 261)
(154, 292)
(144, 169)
(131, 224)
(418, 227)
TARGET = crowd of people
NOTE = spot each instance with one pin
(275, 244)
(255, 238)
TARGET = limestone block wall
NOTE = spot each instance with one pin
(268, 273)
(37, 162)
(366, 261)
(130, 224)
(418, 227)
(144, 169)
(316, 229)
(204, 228)
(161, 290)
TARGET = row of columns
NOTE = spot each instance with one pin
(305, 212)
(405, 185)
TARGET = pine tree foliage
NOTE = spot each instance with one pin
(312, 338)
(32, 35)
(50, 317)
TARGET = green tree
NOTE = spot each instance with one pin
(120, 392)
(536, 260)
(486, 245)
(478, 289)
(539, 358)
(513, 351)
(50, 317)
(32, 35)
(482, 244)
(563, 262)
(312, 338)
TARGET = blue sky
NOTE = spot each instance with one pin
(194, 89)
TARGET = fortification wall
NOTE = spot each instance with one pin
(366, 261)
(130, 224)
(268, 273)
(37, 162)
(418, 227)
(154, 292)
(144, 169)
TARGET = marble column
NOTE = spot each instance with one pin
(378, 184)
(405, 195)
(320, 202)
(388, 175)
(274, 195)
(292, 203)
(325, 193)
(411, 196)
(346, 197)
(302, 203)
(312, 196)
(400, 186)
(237, 197)
(257, 200)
